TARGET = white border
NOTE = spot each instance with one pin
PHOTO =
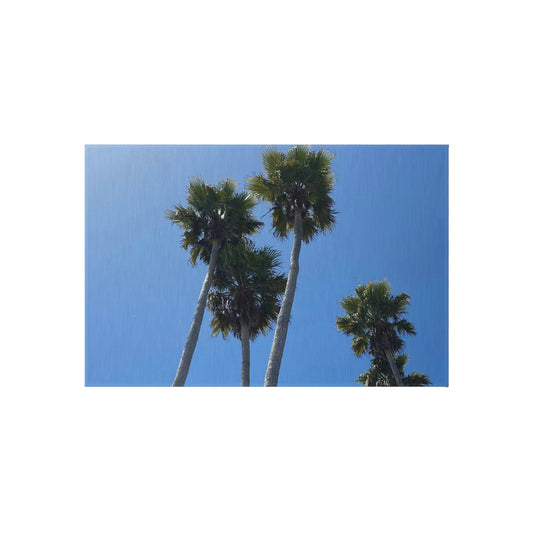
(77, 459)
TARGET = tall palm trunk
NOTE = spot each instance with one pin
(394, 368)
(282, 324)
(192, 338)
(245, 345)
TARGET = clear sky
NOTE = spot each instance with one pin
(141, 290)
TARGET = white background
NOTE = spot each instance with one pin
(77, 459)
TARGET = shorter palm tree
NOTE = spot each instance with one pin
(245, 299)
(380, 375)
(373, 318)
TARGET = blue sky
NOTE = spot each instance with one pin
(141, 291)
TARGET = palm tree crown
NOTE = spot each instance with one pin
(373, 317)
(379, 374)
(247, 289)
(302, 180)
(213, 213)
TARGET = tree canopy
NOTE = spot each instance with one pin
(246, 288)
(374, 317)
(299, 179)
(380, 375)
(213, 213)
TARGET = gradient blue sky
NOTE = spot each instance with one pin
(141, 291)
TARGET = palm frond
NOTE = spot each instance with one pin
(272, 160)
(416, 379)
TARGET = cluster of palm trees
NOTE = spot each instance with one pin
(243, 287)
(375, 320)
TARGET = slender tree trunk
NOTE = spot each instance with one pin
(282, 324)
(192, 338)
(394, 368)
(245, 344)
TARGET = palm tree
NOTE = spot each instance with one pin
(215, 216)
(298, 185)
(246, 294)
(379, 374)
(373, 317)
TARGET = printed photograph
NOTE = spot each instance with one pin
(274, 265)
